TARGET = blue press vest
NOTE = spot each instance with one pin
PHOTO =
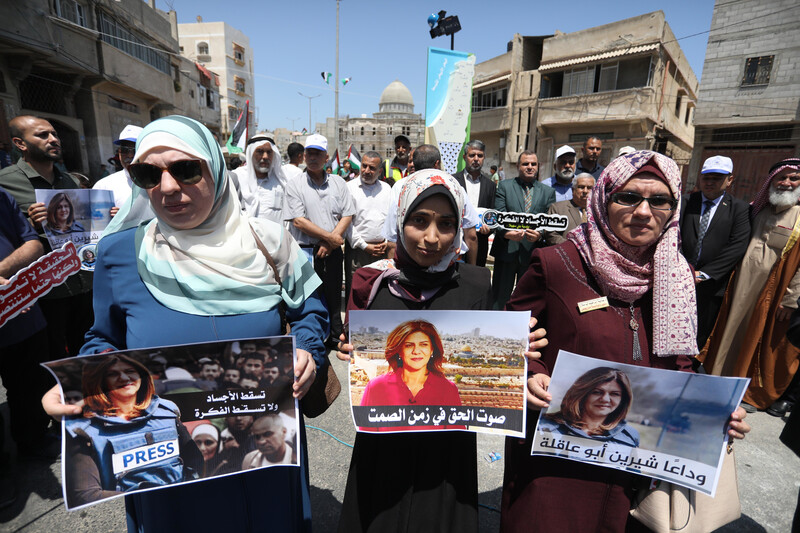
(134, 448)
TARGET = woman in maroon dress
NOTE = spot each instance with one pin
(626, 257)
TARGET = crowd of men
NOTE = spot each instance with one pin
(346, 222)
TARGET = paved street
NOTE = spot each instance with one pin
(769, 479)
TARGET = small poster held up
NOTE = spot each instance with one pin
(158, 417)
(76, 215)
(439, 370)
(658, 423)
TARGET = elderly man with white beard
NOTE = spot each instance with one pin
(564, 167)
(261, 182)
(749, 338)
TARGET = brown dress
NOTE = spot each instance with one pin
(546, 494)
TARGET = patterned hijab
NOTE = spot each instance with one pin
(215, 268)
(762, 197)
(408, 280)
(628, 272)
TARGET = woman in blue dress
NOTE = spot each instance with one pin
(197, 272)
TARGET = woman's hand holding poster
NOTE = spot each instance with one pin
(439, 370)
(658, 423)
(157, 417)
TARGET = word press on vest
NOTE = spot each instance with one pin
(144, 455)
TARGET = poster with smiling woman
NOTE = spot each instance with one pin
(438, 370)
(662, 424)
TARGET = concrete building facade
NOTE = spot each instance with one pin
(90, 68)
(626, 82)
(749, 98)
(395, 117)
(226, 51)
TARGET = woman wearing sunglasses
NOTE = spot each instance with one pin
(198, 272)
(618, 290)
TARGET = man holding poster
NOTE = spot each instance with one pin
(68, 307)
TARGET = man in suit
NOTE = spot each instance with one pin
(715, 230)
(574, 208)
(512, 248)
(480, 190)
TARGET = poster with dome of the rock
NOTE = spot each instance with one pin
(448, 104)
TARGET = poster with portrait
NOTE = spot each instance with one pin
(662, 424)
(77, 215)
(438, 370)
(157, 417)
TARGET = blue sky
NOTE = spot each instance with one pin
(381, 41)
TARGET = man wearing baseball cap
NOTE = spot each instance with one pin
(120, 183)
(564, 167)
(715, 229)
(319, 208)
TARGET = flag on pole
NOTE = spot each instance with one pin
(304, 131)
(238, 139)
(334, 162)
(326, 76)
(355, 158)
(345, 81)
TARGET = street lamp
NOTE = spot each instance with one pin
(441, 24)
(309, 108)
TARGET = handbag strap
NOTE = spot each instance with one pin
(282, 305)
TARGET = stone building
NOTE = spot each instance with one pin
(226, 51)
(749, 99)
(626, 82)
(395, 117)
(91, 68)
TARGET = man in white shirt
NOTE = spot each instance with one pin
(292, 168)
(261, 182)
(269, 435)
(120, 182)
(371, 197)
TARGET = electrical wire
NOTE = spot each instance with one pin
(334, 437)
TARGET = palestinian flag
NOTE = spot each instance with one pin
(355, 158)
(345, 81)
(326, 77)
(334, 163)
(238, 139)
(304, 131)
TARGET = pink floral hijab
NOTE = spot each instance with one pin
(627, 272)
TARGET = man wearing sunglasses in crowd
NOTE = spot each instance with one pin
(67, 307)
(119, 183)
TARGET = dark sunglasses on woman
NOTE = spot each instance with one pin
(147, 176)
(633, 199)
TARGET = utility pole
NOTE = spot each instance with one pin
(310, 129)
(336, 85)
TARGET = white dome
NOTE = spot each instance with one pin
(396, 93)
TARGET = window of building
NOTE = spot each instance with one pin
(71, 11)
(238, 54)
(362, 130)
(489, 98)
(757, 70)
(608, 77)
(678, 102)
(374, 132)
(233, 113)
(202, 48)
(578, 81)
(688, 114)
(239, 84)
(118, 36)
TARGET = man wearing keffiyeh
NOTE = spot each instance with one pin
(749, 338)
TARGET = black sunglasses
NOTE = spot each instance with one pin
(147, 176)
(633, 199)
